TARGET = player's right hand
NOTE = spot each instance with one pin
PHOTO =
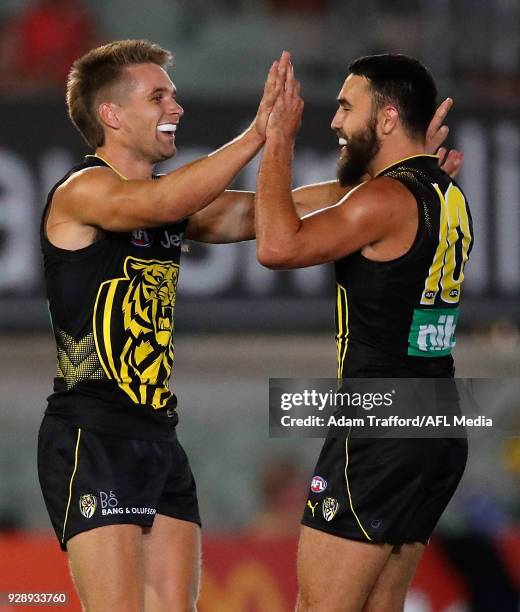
(285, 118)
(274, 84)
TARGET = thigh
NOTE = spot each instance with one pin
(171, 553)
(107, 568)
(389, 591)
(336, 574)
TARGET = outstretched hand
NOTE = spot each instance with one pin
(285, 118)
(274, 84)
(449, 161)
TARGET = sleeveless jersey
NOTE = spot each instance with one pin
(398, 318)
(112, 310)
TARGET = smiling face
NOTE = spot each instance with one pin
(355, 123)
(147, 114)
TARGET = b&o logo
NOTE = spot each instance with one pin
(108, 500)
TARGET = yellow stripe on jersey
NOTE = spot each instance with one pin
(454, 226)
(107, 320)
(342, 332)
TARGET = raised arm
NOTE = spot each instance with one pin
(376, 210)
(230, 218)
(99, 197)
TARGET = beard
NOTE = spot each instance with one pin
(362, 147)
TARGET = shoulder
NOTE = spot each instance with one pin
(86, 183)
(379, 195)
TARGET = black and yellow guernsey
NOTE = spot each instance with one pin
(112, 308)
(398, 318)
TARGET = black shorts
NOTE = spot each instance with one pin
(89, 480)
(384, 490)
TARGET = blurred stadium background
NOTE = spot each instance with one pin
(237, 323)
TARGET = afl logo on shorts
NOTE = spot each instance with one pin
(87, 505)
(329, 507)
(141, 238)
(318, 484)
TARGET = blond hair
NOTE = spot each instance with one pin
(96, 72)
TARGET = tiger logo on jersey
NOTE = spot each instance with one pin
(87, 505)
(133, 323)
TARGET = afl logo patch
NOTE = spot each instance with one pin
(329, 508)
(318, 484)
(87, 505)
(141, 238)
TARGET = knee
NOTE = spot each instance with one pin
(167, 597)
(309, 601)
(107, 604)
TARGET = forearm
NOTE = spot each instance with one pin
(194, 186)
(276, 220)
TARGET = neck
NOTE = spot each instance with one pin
(394, 152)
(125, 162)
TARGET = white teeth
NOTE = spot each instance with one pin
(342, 141)
(167, 127)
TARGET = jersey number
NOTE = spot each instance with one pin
(447, 270)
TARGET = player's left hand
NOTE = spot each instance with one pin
(449, 161)
(437, 132)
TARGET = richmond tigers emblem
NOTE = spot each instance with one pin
(133, 322)
(87, 505)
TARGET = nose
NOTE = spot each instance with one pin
(179, 109)
(336, 121)
(174, 108)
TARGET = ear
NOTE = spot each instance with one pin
(388, 119)
(109, 114)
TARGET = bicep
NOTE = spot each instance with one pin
(364, 216)
(229, 218)
(334, 233)
(310, 198)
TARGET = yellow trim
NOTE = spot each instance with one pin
(404, 159)
(110, 166)
(76, 453)
(348, 490)
(340, 328)
(100, 357)
(342, 337)
(109, 301)
(345, 346)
